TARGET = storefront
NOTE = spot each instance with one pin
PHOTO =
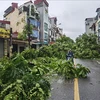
(18, 45)
(4, 37)
(1, 47)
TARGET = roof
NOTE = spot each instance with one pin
(36, 2)
(54, 18)
(10, 9)
(97, 9)
(4, 22)
(28, 2)
(89, 18)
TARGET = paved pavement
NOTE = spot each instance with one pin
(62, 90)
(89, 88)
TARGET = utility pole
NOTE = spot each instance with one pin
(29, 32)
(10, 43)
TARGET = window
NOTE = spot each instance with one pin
(2, 25)
(32, 10)
(99, 34)
(88, 24)
(99, 25)
(46, 36)
(45, 26)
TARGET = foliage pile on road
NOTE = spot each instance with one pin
(81, 71)
(23, 80)
(25, 76)
(86, 46)
(58, 49)
(69, 71)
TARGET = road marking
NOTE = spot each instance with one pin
(76, 87)
(76, 90)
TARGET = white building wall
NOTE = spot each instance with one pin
(43, 18)
(88, 23)
(98, 30)
(40, 9)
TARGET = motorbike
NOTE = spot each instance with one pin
(70, 58)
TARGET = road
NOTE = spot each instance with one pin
(89, 88)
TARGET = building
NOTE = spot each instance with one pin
(56, 32)
(53, 29)
(42, 7)
(88, 23)
(97, 25)
(49, 29)
(4, 37)
(59, 33)
(92, 25)
(19, 17)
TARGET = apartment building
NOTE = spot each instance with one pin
(59, 33)
(36, 14)
(88, 23)
(42, 7)
(56, 32)
(93, 25)
(97, 24)
(19, 16)
(53, 28)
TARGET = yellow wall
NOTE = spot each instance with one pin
(17, 20)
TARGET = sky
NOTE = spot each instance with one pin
(70, 13)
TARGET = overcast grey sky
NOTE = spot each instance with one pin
(70, 13)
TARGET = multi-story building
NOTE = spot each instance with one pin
(35, 14)
(97, 25)
(49, 29)
(93, 25)
(42, 7)
(88, 23)
(4, 37)
(53, 28)
(56, 32)
(59, 33)
(19, 17)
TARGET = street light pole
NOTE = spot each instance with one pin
(29, 32)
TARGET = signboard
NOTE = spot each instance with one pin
(4, 33)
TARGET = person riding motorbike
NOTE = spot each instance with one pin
(70, 55)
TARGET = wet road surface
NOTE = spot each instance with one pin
(89, 88)
(62, 90)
